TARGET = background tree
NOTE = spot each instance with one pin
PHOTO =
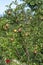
(21, 35)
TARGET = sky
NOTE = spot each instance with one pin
(3, 3)
(6, 2)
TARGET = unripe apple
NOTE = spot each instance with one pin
(19, 30)
(9, 12)
(26, 34)
(11, 39)
(7, 25)
(35, 51)
(15, 30)
(5, 28)
(30, 17)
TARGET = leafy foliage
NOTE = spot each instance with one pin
(21, 33)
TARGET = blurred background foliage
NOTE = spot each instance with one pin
(21, 33)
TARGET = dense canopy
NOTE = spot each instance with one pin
(21, 32)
